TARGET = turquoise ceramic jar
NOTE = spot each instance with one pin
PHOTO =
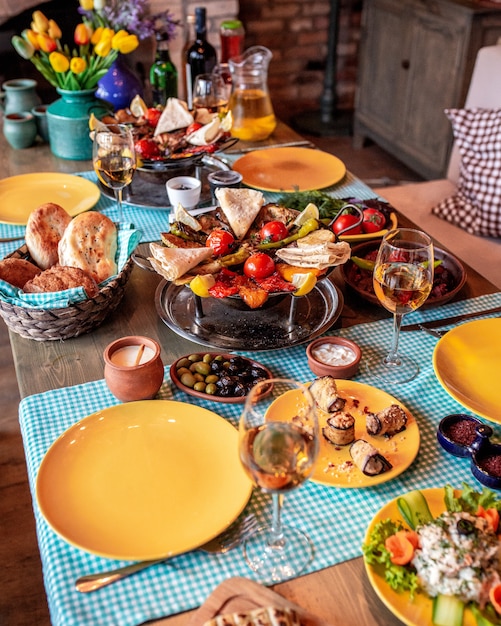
(20, 129)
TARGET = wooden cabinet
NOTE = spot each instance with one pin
(416, 59)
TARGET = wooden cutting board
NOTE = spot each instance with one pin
(241, 594)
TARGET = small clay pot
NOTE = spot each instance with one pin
(127, 380)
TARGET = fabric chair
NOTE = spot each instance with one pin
(415, 200)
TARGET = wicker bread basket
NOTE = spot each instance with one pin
(68, 322)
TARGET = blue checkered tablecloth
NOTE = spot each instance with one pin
(152, 221)
(185, 581)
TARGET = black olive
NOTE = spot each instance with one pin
(465, 527)
(240, 389)
(216, 366)
(258, 372)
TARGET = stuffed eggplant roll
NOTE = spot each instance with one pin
(368, 459)
(324, 392)
(387, 422)
(340, 429)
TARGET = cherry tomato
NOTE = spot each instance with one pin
(147, 149)
(346, 220)
(152, 116)
(194, 126)
(374, 220)
(273, 231)
(259, 265)
(221, 241)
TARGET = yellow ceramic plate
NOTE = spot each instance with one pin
(466, 362)
(19, 195)
(334, 465)
(143, 480)
(290, 169)
(417, 612)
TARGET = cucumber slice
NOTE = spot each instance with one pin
(414, 509)
(447, 611)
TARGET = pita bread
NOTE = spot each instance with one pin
(206, 134)
(319, 256)
(174, 116)
(240, 206)
(45, 227)
(172, 263)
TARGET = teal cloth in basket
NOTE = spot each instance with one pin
(336, 519)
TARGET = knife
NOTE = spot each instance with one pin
(445, 321)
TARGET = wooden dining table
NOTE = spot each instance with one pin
(339, 595)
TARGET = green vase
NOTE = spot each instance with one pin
(68, 122)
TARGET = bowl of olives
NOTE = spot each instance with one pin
(218, 377)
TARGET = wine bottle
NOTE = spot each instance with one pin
(163, 73)
(201, 57)
(189, 40)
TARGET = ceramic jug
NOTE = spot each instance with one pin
(20, 129)
(19, 94)
(250, 103)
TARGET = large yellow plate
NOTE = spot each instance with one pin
(334, 465)
(19, 195)
(290, 169)
(466, 363)
(143, 480)
(418, 612)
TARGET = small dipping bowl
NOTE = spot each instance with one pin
(486, 463)
(133, 369)
(334, 356)
(456, 433)
(184, 190)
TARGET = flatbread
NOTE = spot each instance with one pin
(265, 616)
(172, 263)
(240, 207)
(45, 227)
(174, 117)
(205, 135)
(319, 256)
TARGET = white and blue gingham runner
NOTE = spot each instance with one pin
(152, 221)
(335, 518)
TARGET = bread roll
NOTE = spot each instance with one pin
(59, 278)
(18, 272)
(90, 243)
(44, 229)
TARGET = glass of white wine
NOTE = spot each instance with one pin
(210, 92)
(403, 278)
(278, 450)
(114, 159)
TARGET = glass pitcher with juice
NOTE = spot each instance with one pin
(250, 103)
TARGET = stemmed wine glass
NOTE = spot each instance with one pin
(114, 159)
(278, 449)
(403, 278)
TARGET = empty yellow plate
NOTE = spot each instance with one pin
(334, 465)
(466, 362)
(290, 169)
(19, 195)
(143, 480)
(415, 612)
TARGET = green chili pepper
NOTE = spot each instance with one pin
(308, 227)
(366, 264)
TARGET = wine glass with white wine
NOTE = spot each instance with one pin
(403, 278)
(278, 449)
(114, 159)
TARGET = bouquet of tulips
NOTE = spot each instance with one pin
(72, 69)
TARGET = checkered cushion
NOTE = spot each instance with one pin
(476, 206)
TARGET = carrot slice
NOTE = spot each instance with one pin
(491, 515)
(400, 546)
(495, 596)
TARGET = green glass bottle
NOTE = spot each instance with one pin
(163, 73)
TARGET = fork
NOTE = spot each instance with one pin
(226, 541)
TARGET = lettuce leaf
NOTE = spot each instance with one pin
(469, 500)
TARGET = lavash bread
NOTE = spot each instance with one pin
(90, 243)
(172, 263)
(18, 272)
(59, 278)
(240, 207)
(44, 229)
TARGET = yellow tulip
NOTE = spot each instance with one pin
(46, 43)
(103, 47)
(78, 65)
(126, 44)
(96, 35)
(59, 62)
(40, 23)
(54, 31)
(87, 5)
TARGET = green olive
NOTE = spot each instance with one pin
(194, 358)
(188, 380)
(211, 378)
(207, 358)
(182, 370)
(184, 362)
(201, 368)
(199, 386)
(211, 389)
(198, 377)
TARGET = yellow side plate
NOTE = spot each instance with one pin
(290, 169)
(334, 465)
(466, 363)
(417, 612)
(20, 195)
(143, 480)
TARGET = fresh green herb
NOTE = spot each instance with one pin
(398, 577)
(469, 500)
